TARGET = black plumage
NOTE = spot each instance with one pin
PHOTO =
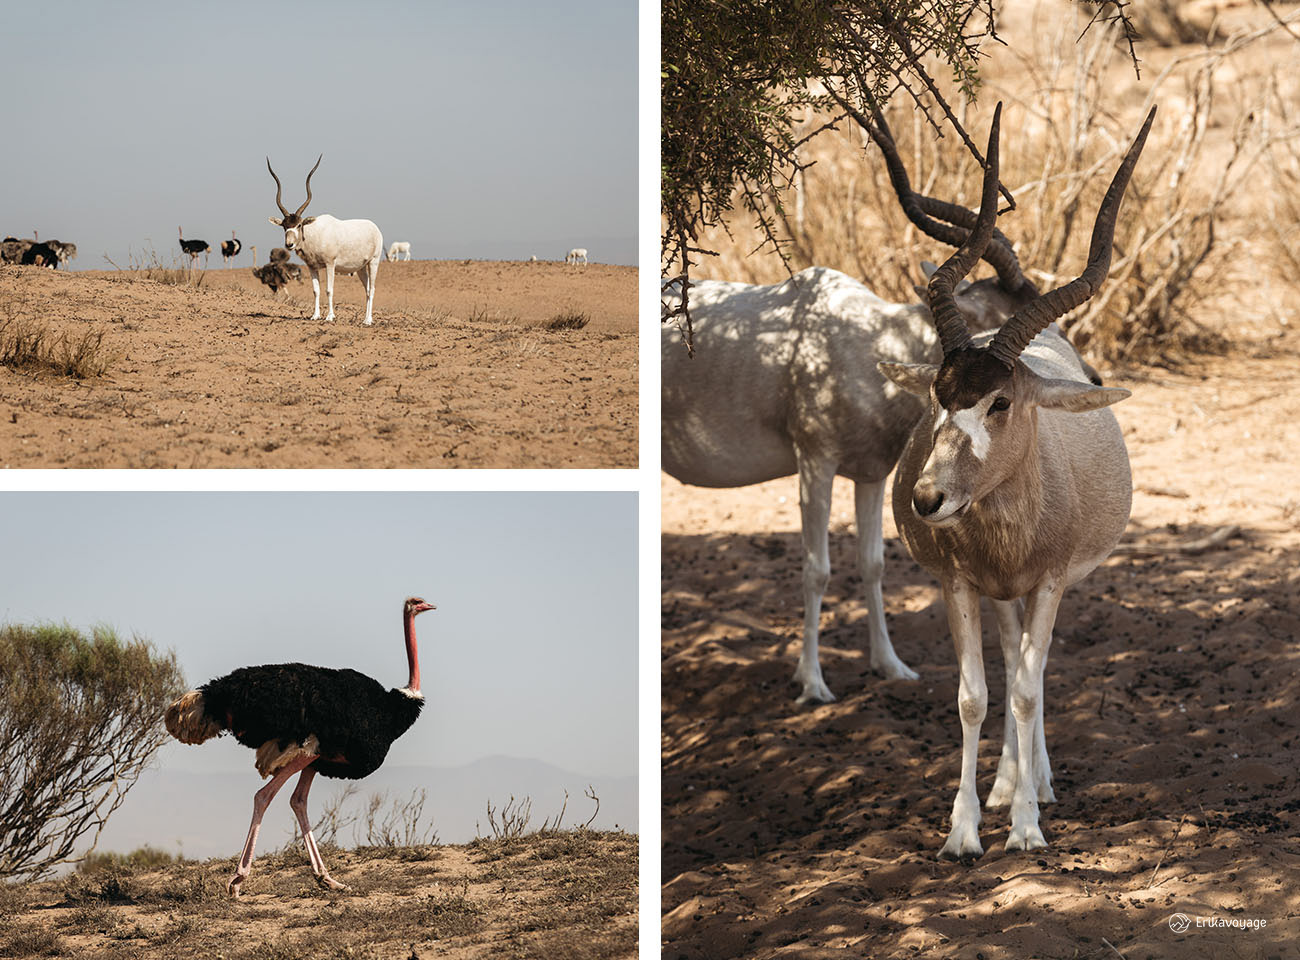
(354, 719)
(41, 255)
(192, 247)
(230, 248)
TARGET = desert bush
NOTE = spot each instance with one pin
(79, 719)
(1061, 143)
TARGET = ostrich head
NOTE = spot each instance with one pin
(292, 222)
(413, 607)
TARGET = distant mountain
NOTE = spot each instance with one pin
(206, 814)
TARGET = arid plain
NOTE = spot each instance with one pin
(468, 364)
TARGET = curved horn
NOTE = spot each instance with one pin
(308, 200)
(953, 333)
(1026, 322)
(920, 209)
(277, 188)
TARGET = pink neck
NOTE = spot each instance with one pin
(412, 654)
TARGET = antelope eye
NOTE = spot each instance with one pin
(1001, 403)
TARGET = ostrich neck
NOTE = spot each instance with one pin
(412, 654)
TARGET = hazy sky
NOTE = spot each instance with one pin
(486, 129)
(532, 651)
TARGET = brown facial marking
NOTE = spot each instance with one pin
(968, 375)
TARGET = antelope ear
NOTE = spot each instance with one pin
(305, 221)
(276, 220)
(1075, 397)
(915, 378)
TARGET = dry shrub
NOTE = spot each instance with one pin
(32, 942)
(1064, 133)
(568, 320)
(400, 825)
(28, 344)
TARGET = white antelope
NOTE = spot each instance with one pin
(784, 381)
(1014, 484)
(576, 256)
(399, 247)
(345, 246)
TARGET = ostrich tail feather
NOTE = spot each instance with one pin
(187, 721)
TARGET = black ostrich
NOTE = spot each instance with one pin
(338, 723)
(41, 255)
(193, 247)
(230, 248)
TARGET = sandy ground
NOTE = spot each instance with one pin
(567, 894)
(1170, 718)
(459, 370)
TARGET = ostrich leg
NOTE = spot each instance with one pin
(299, 803)
(261, 800)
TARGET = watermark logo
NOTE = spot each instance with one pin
(1181, 923)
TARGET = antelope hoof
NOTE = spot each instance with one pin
(1000, 795)
(329, 883)
(963, 844)
(815, 691)
(1025, 837)
(896, 670)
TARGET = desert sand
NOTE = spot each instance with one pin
(459, 369)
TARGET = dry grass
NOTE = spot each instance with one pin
(568, 320)
(149, 265)
(28, 344)
(565, 893)
(1071, 110)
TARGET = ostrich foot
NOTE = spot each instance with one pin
(329, 883)
(232, 887)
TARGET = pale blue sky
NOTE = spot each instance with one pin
(532, 651)
(485, 129)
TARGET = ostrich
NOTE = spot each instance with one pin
(230, 249)
(303, 719)
(193, 247)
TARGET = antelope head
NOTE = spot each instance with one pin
(983, 399)
(292, 222)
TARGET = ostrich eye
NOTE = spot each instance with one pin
(1000, 404)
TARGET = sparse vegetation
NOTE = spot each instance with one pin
(400, 825)
(142, 858)
(563, 893)
(1061, 138)
(150, 266)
